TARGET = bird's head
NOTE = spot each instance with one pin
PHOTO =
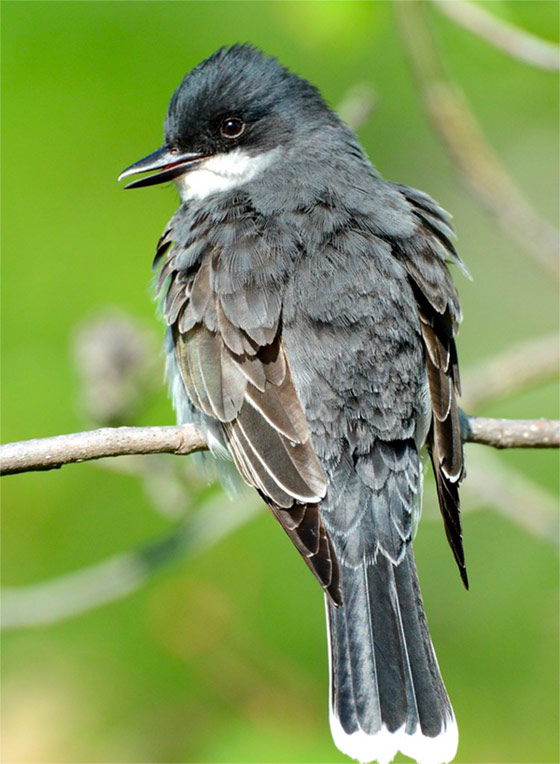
(234, 115)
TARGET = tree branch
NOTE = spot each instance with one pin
(490, 483)
(516, 42)
(511, 371)
(55, 452)
(512, 433)
(457, 125)
(122, 574)
(357, 105)
(493, 483)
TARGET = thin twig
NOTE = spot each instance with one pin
(516, 42)
(492, 484)
(117, 577)
(521, 366)
(479, 165)
(357, 105)
(55, 452)
(513, 433)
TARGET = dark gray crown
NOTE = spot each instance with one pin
(242, 81)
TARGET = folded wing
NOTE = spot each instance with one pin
(229, 351)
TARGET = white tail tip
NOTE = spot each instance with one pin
(384, 745)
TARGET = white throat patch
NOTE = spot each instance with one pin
(223, 172)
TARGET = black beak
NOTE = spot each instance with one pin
(168, 163)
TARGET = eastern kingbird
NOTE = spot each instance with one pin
(311, 322)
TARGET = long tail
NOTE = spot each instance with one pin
(387, 694)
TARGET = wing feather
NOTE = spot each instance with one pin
(295, 468)
(223, 301)
(308, 530)
(424, 256)
(255, 472)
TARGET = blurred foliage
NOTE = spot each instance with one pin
(223, 658)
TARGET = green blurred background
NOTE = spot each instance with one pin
(222, 657)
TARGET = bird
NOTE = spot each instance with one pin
(311, 322)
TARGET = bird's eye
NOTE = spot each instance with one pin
(232, 127)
